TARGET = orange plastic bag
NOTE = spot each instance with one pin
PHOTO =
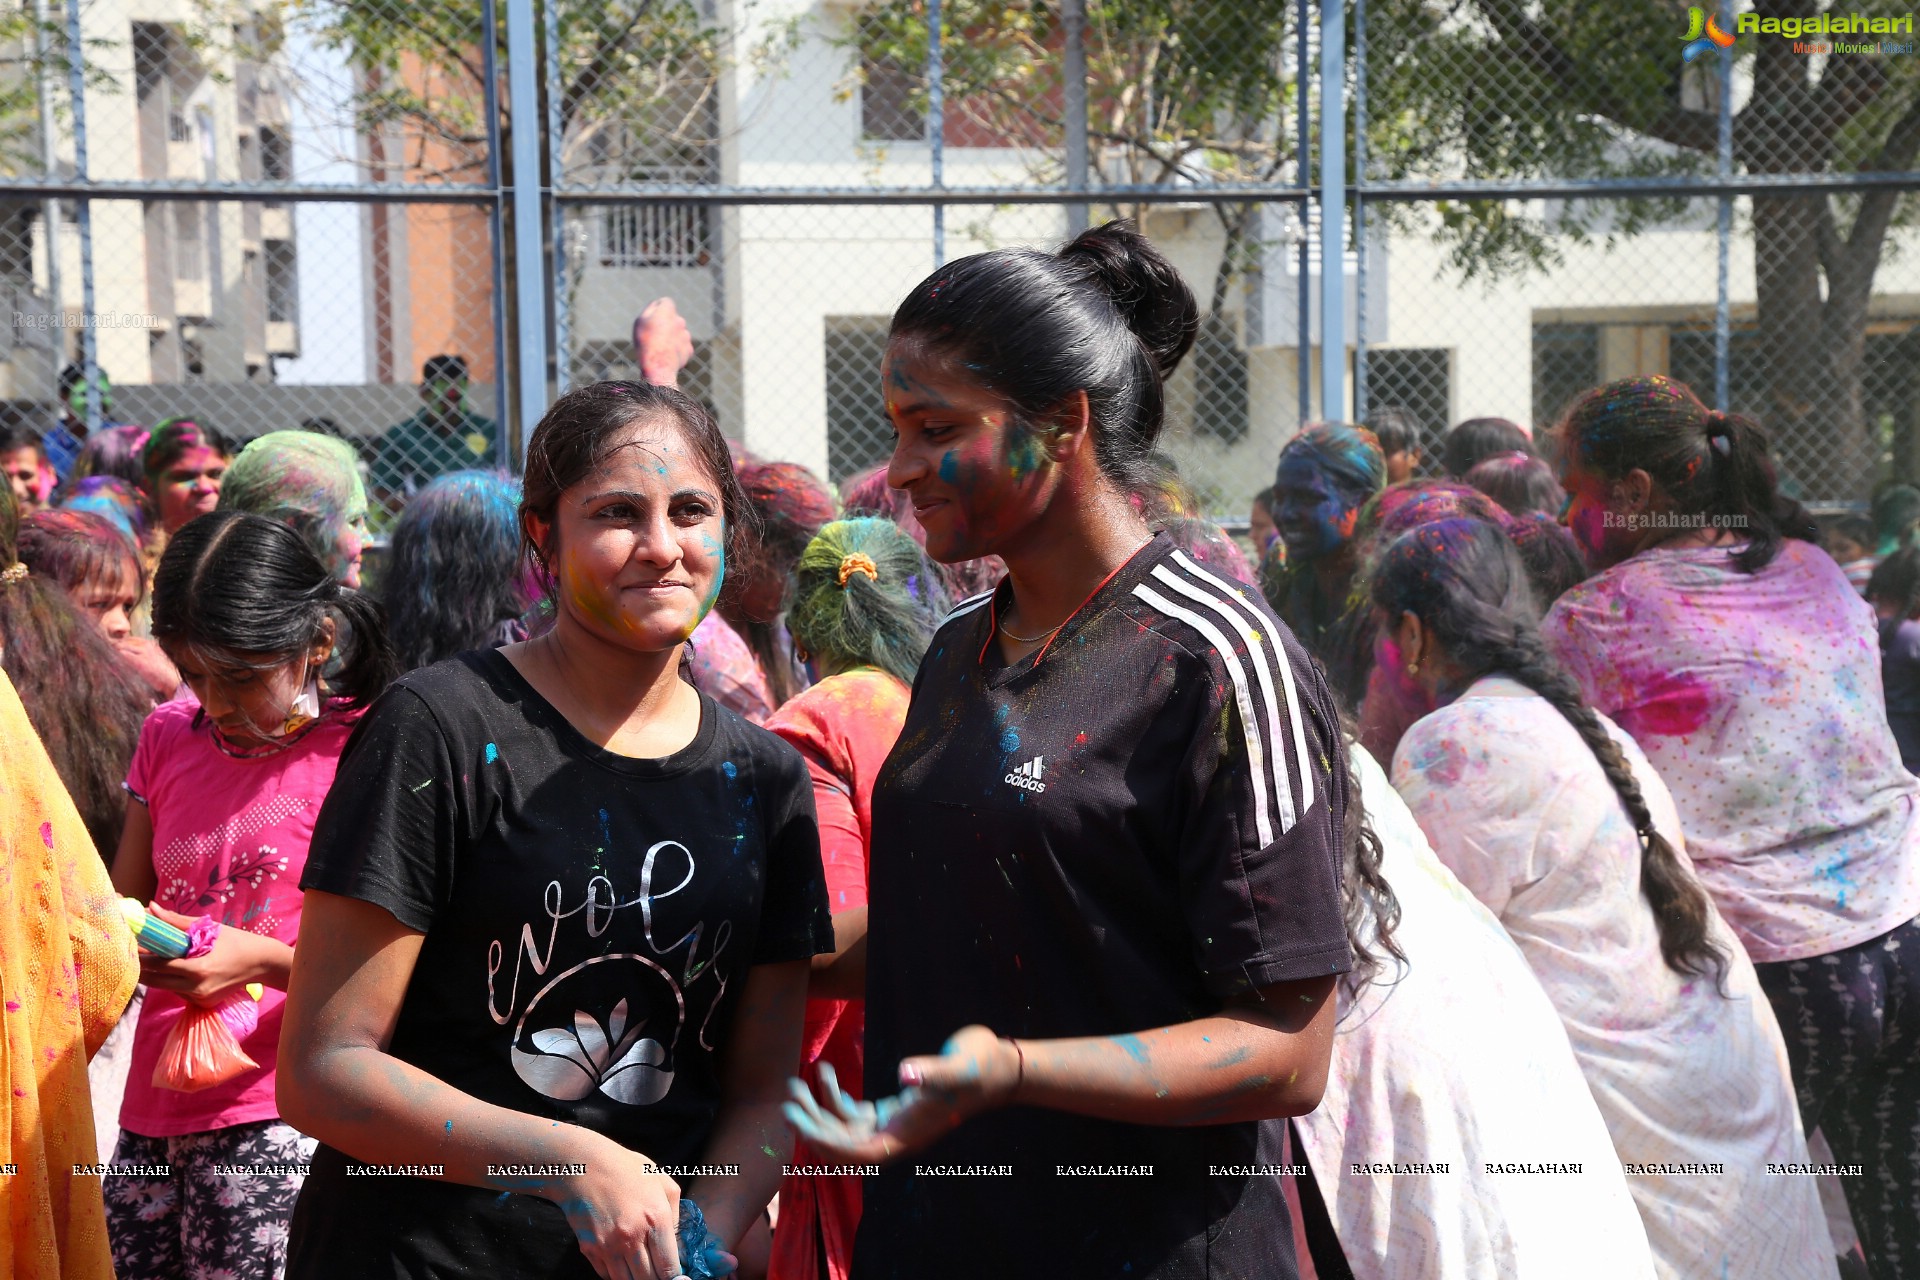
(203, 1049)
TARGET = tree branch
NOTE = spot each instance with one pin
(1691, 130)
(596, 69)
(1828, 246)
(1865, 240)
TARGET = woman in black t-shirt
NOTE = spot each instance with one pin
(560, 910)
(1105, 909)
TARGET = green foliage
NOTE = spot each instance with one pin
(30, 51)
(637, 92)
(1523, 89)
(1196, 89)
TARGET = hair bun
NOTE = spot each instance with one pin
(1143, 286)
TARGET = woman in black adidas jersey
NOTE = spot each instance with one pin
(1105, 915)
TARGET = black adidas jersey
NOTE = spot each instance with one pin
(1117, 833)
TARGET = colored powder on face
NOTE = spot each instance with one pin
(1024, 454)
(950, 466)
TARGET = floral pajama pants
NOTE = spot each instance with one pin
(1851, 1021)
(221, 1214)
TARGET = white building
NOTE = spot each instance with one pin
(184, 291)
(790, 303)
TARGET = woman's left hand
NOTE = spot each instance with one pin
(975, 1071)
(238, 957)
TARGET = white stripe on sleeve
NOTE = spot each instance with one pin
(1256, 754)
(1206, 594)
(1226, 591)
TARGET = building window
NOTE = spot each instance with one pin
(283, 282)
(1566, 361)
(653, 235)
(276, 156)
(858, 433)
(193, 356)
(887, 109)
(189, 245)
(1415, 380)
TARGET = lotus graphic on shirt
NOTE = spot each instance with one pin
(562, 1046)
(574, 1060)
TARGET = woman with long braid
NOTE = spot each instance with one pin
(1747, 667)
(1552, 817)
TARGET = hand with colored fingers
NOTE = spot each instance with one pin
(625, 1214)
(238, 957)
(974, 1072)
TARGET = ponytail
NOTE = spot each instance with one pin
(867, 596)
(1369, 906)
(364, 663)
(1743, 485)
(1712, 466)
(232, 583)
(1465, 581)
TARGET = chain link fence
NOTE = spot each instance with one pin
(266, 214)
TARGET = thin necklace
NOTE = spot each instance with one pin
(1083, 604)
(1036, 639)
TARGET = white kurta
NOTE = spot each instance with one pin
(1517, 806)
(1458, 1058)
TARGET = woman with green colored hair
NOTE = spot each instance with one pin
(867, 604)
(310, 483)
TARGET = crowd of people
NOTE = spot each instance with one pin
(1505, 863)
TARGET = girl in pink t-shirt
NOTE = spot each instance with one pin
(224, 793)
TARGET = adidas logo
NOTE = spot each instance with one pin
(1027, 776)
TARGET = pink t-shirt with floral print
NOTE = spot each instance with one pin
(230, 839)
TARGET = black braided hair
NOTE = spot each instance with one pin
(1465, 582)
(1365, 894)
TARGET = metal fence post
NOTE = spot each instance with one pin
(529, 242)
(497, 220)
(1073, 99)
(1333, 208)
(936, 125)
(556, 135)
(1303, 167)
(1359, 211)
(49, 160)
(1722, 303)
(83, 208)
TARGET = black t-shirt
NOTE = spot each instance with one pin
(1120, 832)
(590, 920)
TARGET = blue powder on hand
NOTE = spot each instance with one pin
(695, 1241)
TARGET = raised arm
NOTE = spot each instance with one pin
(1260, 1058)
(337, 1082)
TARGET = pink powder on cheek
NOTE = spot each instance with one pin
(1587, 522)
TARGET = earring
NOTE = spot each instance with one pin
(1413, 668)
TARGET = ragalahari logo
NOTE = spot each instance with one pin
(1703, 33)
